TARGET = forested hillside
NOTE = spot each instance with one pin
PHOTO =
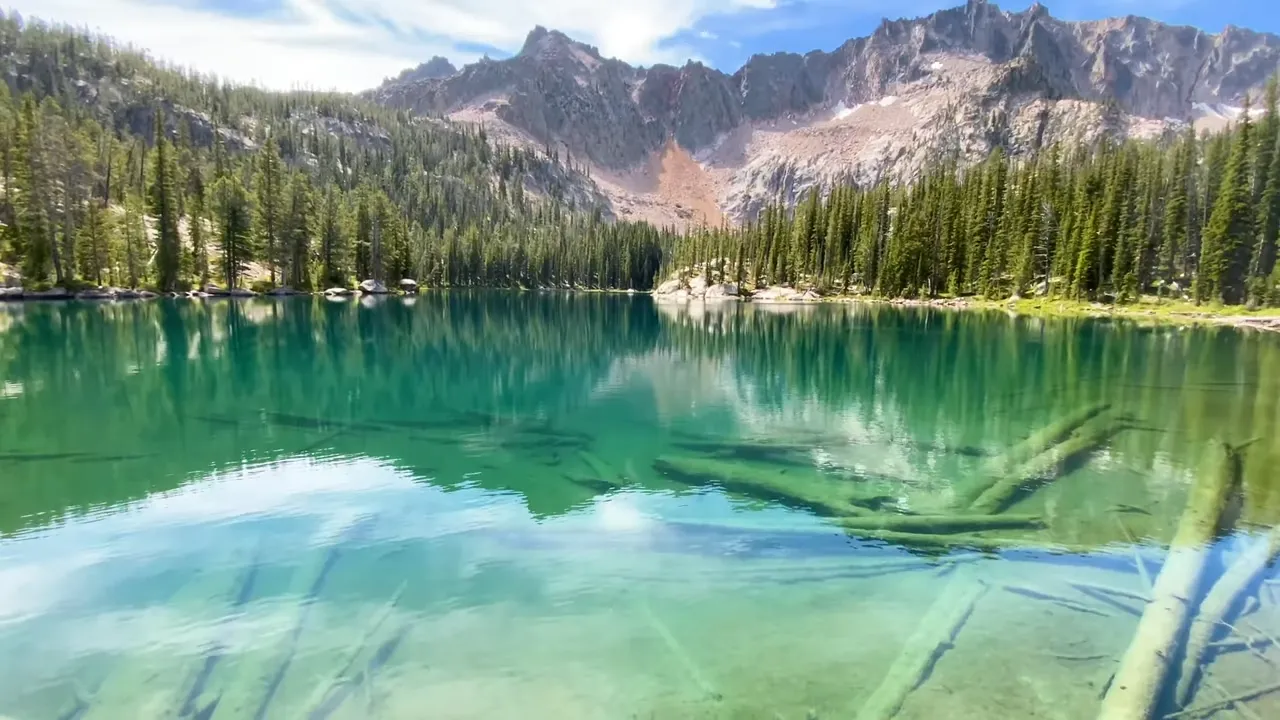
(1198, 218)
(298, 189)
(120, 171)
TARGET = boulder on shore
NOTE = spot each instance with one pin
(775, 293)
(11, 293)
(782, 294)
(338, 292)
(372, 287)
(698, 287)
(241, 293)
(215, 291)
(408, 286)
(722, 291)
(668, 287)
(281, 291)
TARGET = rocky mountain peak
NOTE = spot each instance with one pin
(544, 44)
(436, 68)
(959, 81)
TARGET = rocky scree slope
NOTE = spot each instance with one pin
(957, 83)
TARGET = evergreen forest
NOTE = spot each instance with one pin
(1196, 216)
(119, 170)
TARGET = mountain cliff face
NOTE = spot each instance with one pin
(958, 82)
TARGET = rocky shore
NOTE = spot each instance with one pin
(1171, 313)
(676, 290)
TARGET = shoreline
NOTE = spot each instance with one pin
(1147, 311)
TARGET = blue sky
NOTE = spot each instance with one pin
(353, 44)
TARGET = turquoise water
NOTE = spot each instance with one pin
(550, 505)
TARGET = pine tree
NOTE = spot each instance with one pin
(1177, 211)
(198, 263)
(270, 208)
(1267, 200)
(164, 206)
(333, 250)
(1230, 230)
(235, 227)
(298, 231)
(96, 249)
(135, 240)
(33, 236)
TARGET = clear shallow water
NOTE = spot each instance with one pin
(470, 505)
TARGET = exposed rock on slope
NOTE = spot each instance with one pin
(956, 83)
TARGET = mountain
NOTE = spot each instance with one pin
(693, 144)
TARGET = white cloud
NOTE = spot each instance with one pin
(706, 35)
(353, 44)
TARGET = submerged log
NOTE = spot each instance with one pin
(695, 675)
(749, 451)
(261, 673)
(600, 470)
(115, 693)
(1136, 689)
(1045, 466)
(798, 489)
(1044, 439)
(1226, 702)
(941, 524)
(1223, 598)
(191, 703)
(346, 679)
(934, 636)
(971, 542)
(1066, 602)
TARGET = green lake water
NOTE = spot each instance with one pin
(542, 505)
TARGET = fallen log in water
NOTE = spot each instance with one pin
(117, 694)
(695, 675)
(260, 673)
(364, 679)
(192, 702)
(344, 681)
(1066, 602)
(971, 542)
(934, 636)
(942, 524)
(1046, 465)
(1092, 587)
(1042, 440)
(1226, 702)
(1224, 597)
(600, 470)
(1234, 643)
(787, 454)
(1112, 596)
(1136, 689)
(809, 491)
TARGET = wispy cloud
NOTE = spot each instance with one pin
(353, 44)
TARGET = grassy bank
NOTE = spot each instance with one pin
(1148, 308)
